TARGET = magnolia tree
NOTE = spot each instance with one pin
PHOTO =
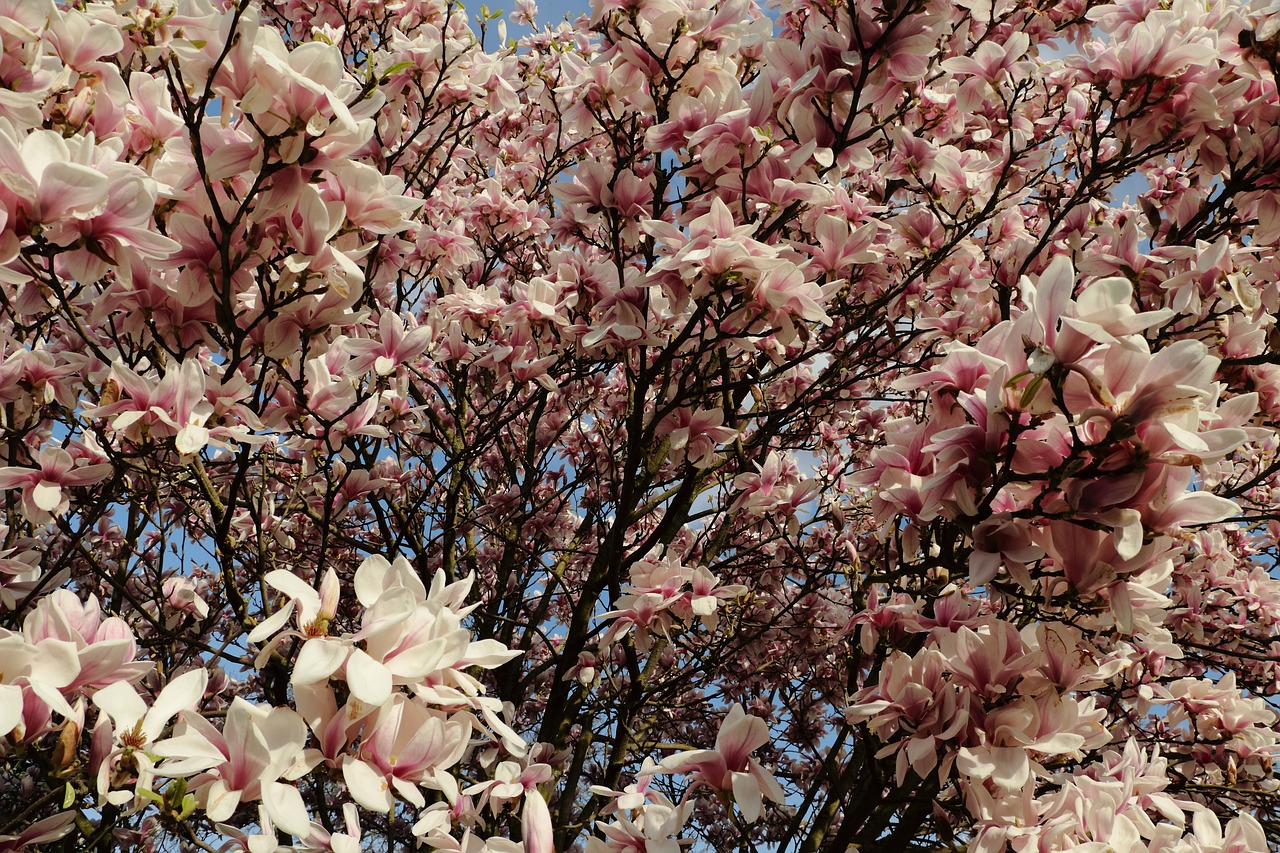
(696, 425)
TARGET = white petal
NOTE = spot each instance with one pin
(367, 787)
(191, 439)
(296, 588)
(1126, 532)
(57, 663)
(182, 693)
(536, 828)
(10, 707)
(72, 189)
(121, 703)
(188, 753)
(221, 802)
(319, 659)
(746, 793)
(369, 680)
(53, 699)
(369, 579)
(286, 808)
(47, 495)
(408, 791)
(488, 654)
(271, 624)
(1207, 827)
(1196, 508)
(1186, 439)
(419, 660)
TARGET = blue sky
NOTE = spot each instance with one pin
(553, 11)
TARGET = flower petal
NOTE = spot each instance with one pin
(370, 681)
(182, 693)
(746, 793)
(286, 808)
(367, 787)
(319, 659)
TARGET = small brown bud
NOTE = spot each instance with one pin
(64, 753)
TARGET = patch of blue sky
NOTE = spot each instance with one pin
(1130, 189)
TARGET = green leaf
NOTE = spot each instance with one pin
(1029, 393)
(148, 794)
(397, 68)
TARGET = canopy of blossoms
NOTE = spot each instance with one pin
(696, 425)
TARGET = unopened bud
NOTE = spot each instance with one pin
(64, 752)
(329, 592)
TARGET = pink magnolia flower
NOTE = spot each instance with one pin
(411, 637)
(42, 488)
(122, 233)
(786, 297)
(41, 832)
(776, 487)
(183, 596)
(105, 649)
(373, 201)
(1047, 725)
(417, 634)
(635, 795)
(406, 745)
(654, 829)
(322, 840)
(840, 246)
(257, 747)
(987, 662)
(177, 406)
(396, 345)
(513, 782)
(321, 655)
(32, 679)
(913, 710)
(991, 58)
(704, 597)
(713, 245)
(334, 727)
(1068, 327)
(1151, 47)
(136, 729)
(45, 178)
(729, 768)
(1000, 540)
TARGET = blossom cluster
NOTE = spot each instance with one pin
(694, 424)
